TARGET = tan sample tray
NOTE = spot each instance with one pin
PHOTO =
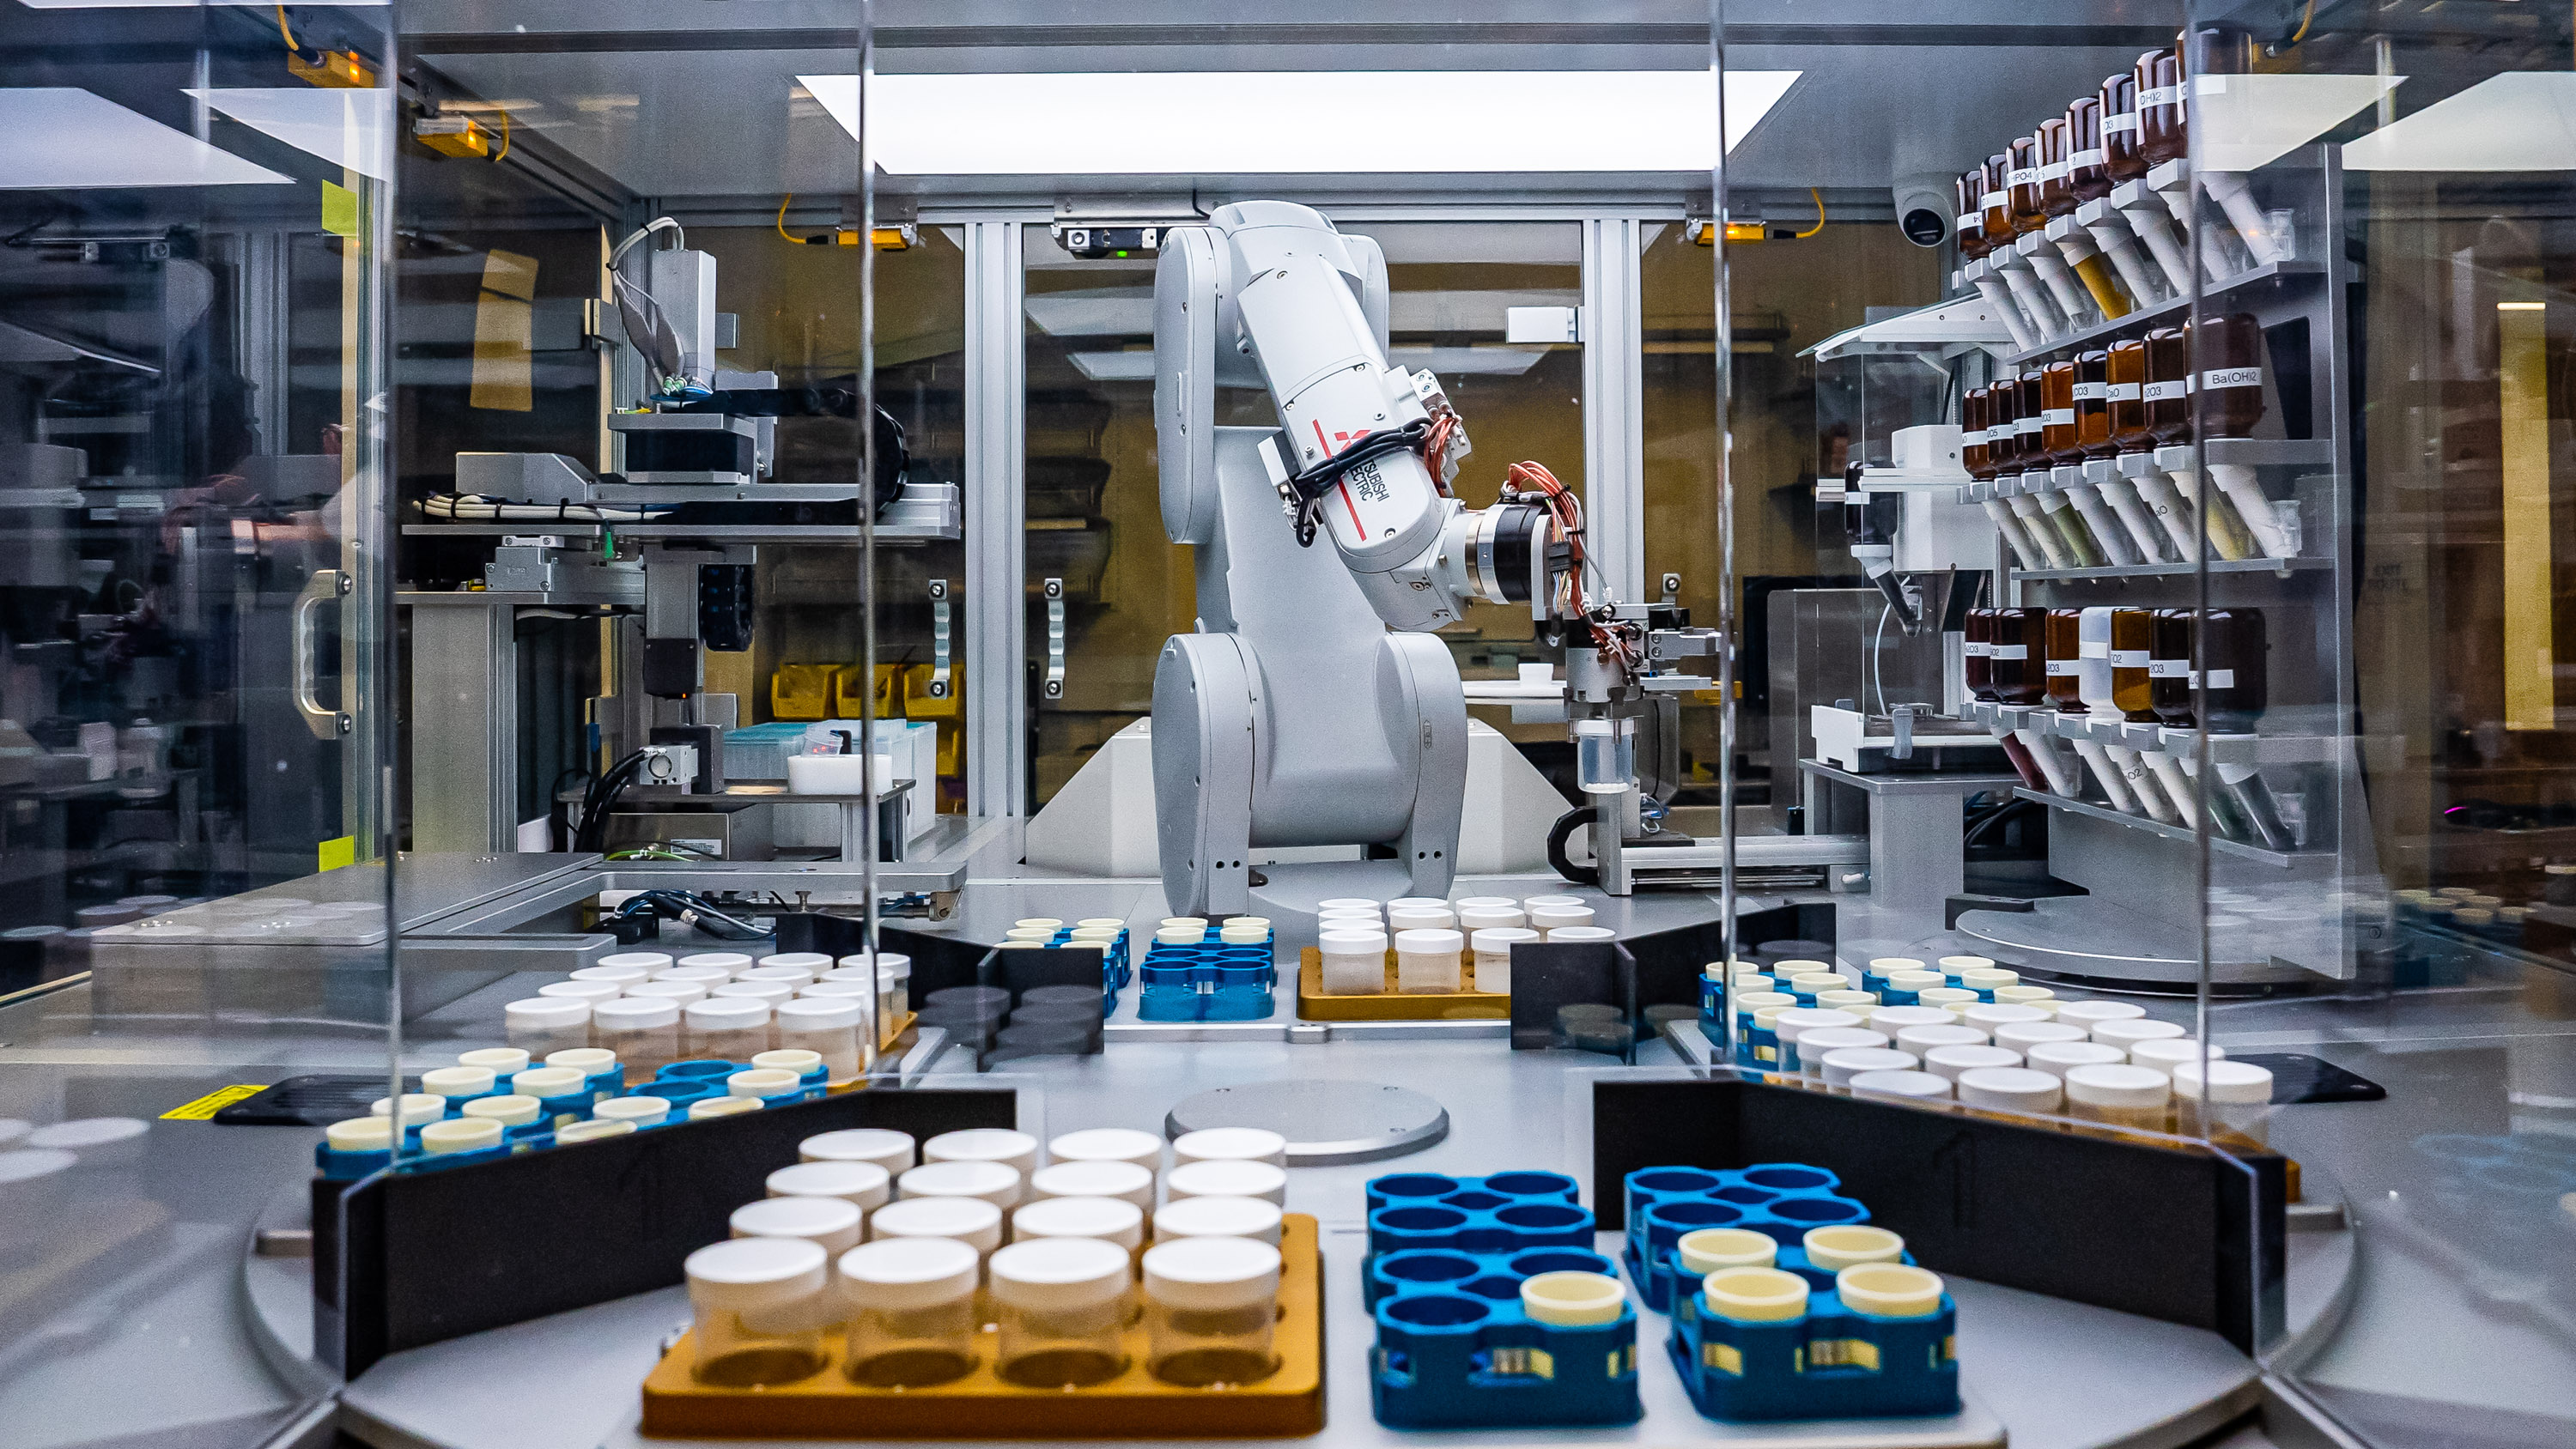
(981, 1406)
(1314, 1005)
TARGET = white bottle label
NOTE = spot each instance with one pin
(2095, 157)
(2011, 651)
(2055, 171)
(2094, 649)
(2057, 417)
(2129, 659)
(2159, 96)
(2061, 668)
(2090, 392)
(2222, 679)
(1973, 440)
(2168, 668)
(2022, 176)
(2174, 391)
(2232, 377)
(1979, 649)
(2121, 391)
(2113, 125)
(2027, 427)
(1993, 201)
(2209, 85)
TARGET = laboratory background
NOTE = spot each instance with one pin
(1815, 725)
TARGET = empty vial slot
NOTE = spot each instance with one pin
(1421, 1219)
(1819, 1210)
(1529, 1184)
(1788, 1179)
(1414, 1184)
(1558, 1260)
(1748, 1195)
(1426, 1267)
(1674, 1180)
(1435, 1310)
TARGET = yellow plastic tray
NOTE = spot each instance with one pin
(1314, 1005)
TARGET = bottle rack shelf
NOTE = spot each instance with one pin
(2217, 842)
(2280, 567)
(2129, 734)
(2214, 297)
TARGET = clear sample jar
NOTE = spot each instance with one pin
(2127, 1032)
(2021, 1036)
(1227, 1144)
(1109, 1219)
(1235, 1178)
(1351, 903)
(1950, 1061)
(1427, 961)
(460, 1134)
(1017, 1151)
(1754, 1295)
(837, 1031)
(502, 1062)
(2119, 1095)
(863, 1185)
(509, 1109)
(1218, 1217)
(1576, 935)
(1352, 962)
(1895, 1019)
(589, 991)
(1493, 948)
(639, 1111)
(836, 1223)
(2225, 1099)
(1531, 903)
(2057, 1058)
(709, 977)
(1987, 1017)
(2166, 1053)
(591, 1131)
(2011, 1089)
(645, 1033)
(1889, 1290)
(1124, 1181)
(812, 963)
(1925, 1085)
(1211, 1310)
(970, 1220)
(1421, 918)
(544, 1025)
(912, 1311)
(1061, 1303)
(1109, 1144)
(995, 1182)
(1840, 1065)
(753, 1304)
(894, 1151)
(1549, 918)
(1703, 1251)
(1473, 918)
(734, 963)
(707, 1107)
(678, 993)
(1818, 1043)
(1922, 1039)
(1845, 1244)
(725, 1029)
(1795, 1020)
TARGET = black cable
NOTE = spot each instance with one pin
(602, 794)
(1300, 490)
(692, 909)
(1563, 831)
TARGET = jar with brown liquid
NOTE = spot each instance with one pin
(2132, 648)
(2063, 641)
(1972, 434)
(2230, 354)
(2120, 155)
(1968, 196)
(2054, 199)
(1996, 203)
(2088, 174)
(2168, 387)
(2092, 406)
(2124, 378)
(2020, 655)
(2169, 667)
(2003, 429)
(2162, 135)
(2022, 178)
(1977, 654)
(2030, 415)
(2234, 669)
(2057, 415)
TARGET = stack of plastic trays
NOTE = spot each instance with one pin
(1209, 979)
(1781, 1200)
(1443, 1280)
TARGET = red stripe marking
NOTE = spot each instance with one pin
(1320, 438)
(1355, 512)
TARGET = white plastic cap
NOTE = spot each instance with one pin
(904, 1273)
(763, 1083)
(2231, 1083)
(1215, 1144)
(1243, 935)
(2117, 1084)
(499, 1061)
(1499, 939)
(863, 1184)
(1898, 1018)
(460, 1134)
(1950, 1061)
(590, 991)
(509, 1111)
(1351, 903)
(1946, 996)
(1026, 922)
(1795, 1020)
(548, 1081)
(1228, 1178)
(1106, 1177)
(1890, 965)
(2057, 1058)
(1839, 1245)
(2021, 1036)
(2126, 1032)
(417, 1107)
(1180, 935)
(1429, 941)
(1109, 1144)
(802, 960)
(636, 1013)
(1110, 1219)
(709, 977)
(790, 975)
(2086, 1013)
(648, 961)
(360, 1134)
(1581, 933)
(771, 992)
(1902, 1084)
(1756, 1295)
(1705, 1250)
(1987, 1015)
(891, 1150)
(830, 1221)
(706, 1107)
(642, 1111)
(2010, 1089)
(1762, 1000)
(457, 1081)
(727, 1013)
(1817, 1043)
(1210, 1274)
(1060, 1273)
(1218, 1217)
(1573, 1299)
(1889, 1290)
(1196, 922)
(970, 1220)
(1844, 1063)
(545, 1013)
(788, 1059)
(821, 1013)
(1917, 981)
(755, 1273)
(1418, 902)
(1015, 1150)
(591, 1131)
(995, 1182)
(2166, 1053)
(733, 961)
(589, 1061)
(1922, 1039)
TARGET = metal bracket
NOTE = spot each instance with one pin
(939, 655)
(326, 586)
(1055, 639)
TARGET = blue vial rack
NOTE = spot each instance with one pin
(1454, 1348)
(1780, 1200)
(1116, 970)
(1208, 980)
(1828, 1363)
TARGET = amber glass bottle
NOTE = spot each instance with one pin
(2168, 388)
(2065, 648)
(2124, 376)
(2120, 128)
(1972, 434)
(1996, 204)
(2020, 654)
(2169, 666)
(2233, 667)
(1968, 196)
(2230, 353)
(2132, 647)
(2057, 415)
(2092, 405)
(2023, 179)
(2054, 199)
(2088, 177)
(2030, 408)
(1977, 654)
(2161, 133)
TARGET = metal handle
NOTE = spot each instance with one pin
(326, 586)
(939, 656)
(1055, 639)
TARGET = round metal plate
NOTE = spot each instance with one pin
(2078, 940)
(1325, 1122)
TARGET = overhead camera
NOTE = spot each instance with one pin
(1926, 209)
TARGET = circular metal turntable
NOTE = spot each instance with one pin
(1325, 1122)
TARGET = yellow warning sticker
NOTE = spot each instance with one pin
(337, 853)
(204, 1108)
